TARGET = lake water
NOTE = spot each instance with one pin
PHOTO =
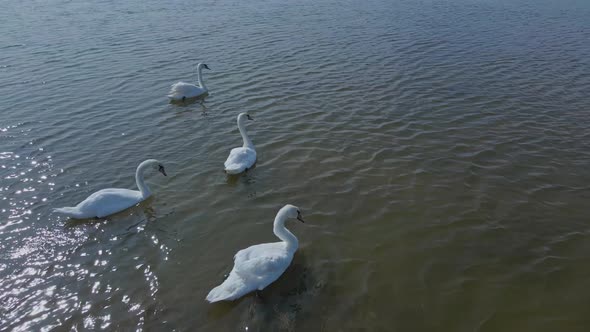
(439, 152)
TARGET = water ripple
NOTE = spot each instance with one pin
(439, 151)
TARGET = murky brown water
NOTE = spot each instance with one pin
(439, 151)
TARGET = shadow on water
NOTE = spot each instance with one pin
(247, 177)
(189, 101)
(279, 305)
(192, 107)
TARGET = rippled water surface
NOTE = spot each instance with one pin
(439, 150)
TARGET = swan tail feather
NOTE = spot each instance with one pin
(231, 289)
(69, 211)
(232, 169)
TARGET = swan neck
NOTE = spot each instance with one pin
(247, 141)
(284, 234)
(200, 77)
(143, 188)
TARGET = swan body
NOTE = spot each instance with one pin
(182, 90)
(242, 158)
(260, 265)
(112, 200)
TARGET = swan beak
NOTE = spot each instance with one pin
(161, 170)
(206, 67)
(249, 117)
(299, 218)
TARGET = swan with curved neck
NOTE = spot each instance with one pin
(200, 67)
(260, 265)
(139, 172)
(181, 91)
(242, 158)
(112, 200)
(279, 229)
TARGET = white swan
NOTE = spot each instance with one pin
(258, 266)
(181, 90)
(108, 201)
(241, 159)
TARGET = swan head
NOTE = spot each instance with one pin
(161, 169)
(155, 164)
(244, 116)
(204, 65)
(292, 212)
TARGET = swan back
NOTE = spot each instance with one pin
(181, 90)
(254, 268)
(239, 160)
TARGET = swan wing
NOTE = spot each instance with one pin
(254, 268)
(108, 201)
(183, 89)
(231, 289)
(262, 264)
(263, 270)
(239, 160)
